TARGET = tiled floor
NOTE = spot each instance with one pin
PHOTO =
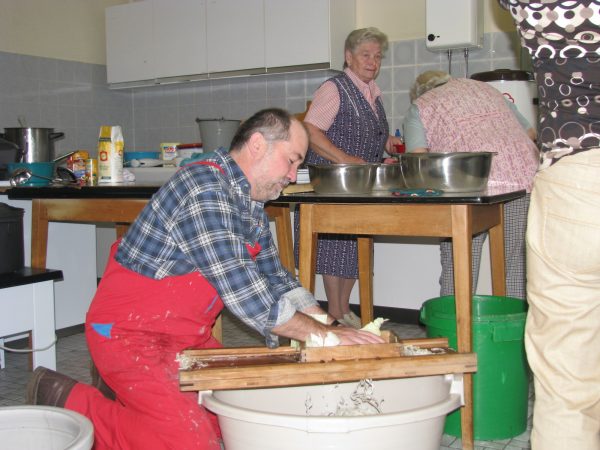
(73, 360)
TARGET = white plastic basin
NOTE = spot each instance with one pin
(44, 428)
(414, 410)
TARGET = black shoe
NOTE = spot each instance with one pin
(49, 388)
(99, 383)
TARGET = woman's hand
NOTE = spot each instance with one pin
(390, 144)
(349, 159)
(323, 147)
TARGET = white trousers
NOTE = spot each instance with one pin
(562, 334)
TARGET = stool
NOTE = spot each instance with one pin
(27, 299)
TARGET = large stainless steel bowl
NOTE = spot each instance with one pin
(342, 179)
(388, 177)
(449, 172)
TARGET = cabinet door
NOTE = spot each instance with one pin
(296, 32)
(179, 37)
(129, 42)
(235, 35)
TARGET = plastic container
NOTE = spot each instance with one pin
(128, 156)
(400, 148)
(413, 416)
(110, 154)
(42, 173)
(168, 151)
(76, 163)
(11, 238)
(501, 384)
(44, 428)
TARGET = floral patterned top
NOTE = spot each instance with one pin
(563, 38)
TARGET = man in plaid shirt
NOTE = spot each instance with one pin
(202, 242)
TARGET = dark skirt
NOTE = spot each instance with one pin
(337, 254)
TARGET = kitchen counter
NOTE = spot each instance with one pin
(109, 190)
(29, 296)
(146, 190)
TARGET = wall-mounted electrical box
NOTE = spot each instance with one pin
(453, 24)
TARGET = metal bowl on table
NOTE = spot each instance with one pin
(448, 172)
(342, 179)
(388, 177)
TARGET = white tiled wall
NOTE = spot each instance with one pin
(73, 97)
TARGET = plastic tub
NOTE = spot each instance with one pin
(128, 156)
(44, 428)
(41, 172)
(501, 384)
(414, 410)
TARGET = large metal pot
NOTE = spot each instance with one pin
(388, 177)
(35, 144)
(518, 87)
(342, 179)
(217, 133)
(448, 172)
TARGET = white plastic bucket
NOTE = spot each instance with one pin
(414, 410)
(44, 428)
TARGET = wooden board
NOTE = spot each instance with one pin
(253, 367)
(298, 188)
(298, 374)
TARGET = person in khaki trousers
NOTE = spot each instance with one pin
(562, 333)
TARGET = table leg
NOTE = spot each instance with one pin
(463, 281)
(283, 229)
(39, 250)
(365, 278)
(39, 234)
(121, 229)
(497, 261)
(307, 248)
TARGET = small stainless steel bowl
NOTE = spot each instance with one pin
(388, 177)
(449, 172)
(342, 179)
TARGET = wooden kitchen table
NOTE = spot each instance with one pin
(456, 216)
(114, 203)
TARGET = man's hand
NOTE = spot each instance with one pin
(300, 326)
(350, 336)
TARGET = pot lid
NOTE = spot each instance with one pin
(503, 74)
(29, 128)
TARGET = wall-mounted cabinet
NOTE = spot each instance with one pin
(146, 40)
(159, 41)
(235, 38)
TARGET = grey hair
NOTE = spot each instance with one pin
(427, 81)
(357, 37)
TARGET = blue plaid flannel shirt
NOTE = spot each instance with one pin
(201, 220)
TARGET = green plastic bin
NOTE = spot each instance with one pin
(501, 383)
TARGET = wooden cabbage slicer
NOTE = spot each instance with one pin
(258, 367)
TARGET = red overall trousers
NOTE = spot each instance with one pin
(135, 328)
